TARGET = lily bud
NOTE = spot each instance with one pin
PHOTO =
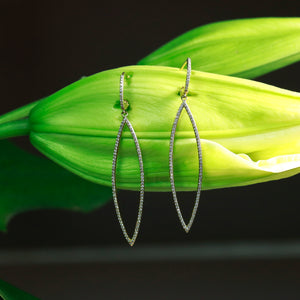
(244, 48)
(250, 132)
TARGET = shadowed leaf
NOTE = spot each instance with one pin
(9, 292)
(29, 182)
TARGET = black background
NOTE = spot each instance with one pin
(46, 45)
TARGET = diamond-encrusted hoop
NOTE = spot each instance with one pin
(114, 166)
(183, 105)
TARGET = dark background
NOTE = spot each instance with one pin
(46, 45)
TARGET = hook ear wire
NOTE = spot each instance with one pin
(123, 103)
(124, 122)
(188, 76)
(121, 92)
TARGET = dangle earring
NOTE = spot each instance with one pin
(183, 105)
(114, 165)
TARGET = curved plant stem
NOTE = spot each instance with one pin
(14, 128)
(19, 113)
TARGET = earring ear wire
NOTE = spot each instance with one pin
(185, 106)
(124, 122)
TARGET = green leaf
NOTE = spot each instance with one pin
(30, 182)
(9, 292)
(243, 48)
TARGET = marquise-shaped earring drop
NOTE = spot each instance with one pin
(114, 166)
(184, 105)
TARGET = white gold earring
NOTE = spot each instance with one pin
(183, 105)
(114, 165)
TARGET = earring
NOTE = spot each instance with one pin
(114, 165)
(183, 105)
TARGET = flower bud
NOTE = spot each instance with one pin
(250, 132)
(244, 48)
